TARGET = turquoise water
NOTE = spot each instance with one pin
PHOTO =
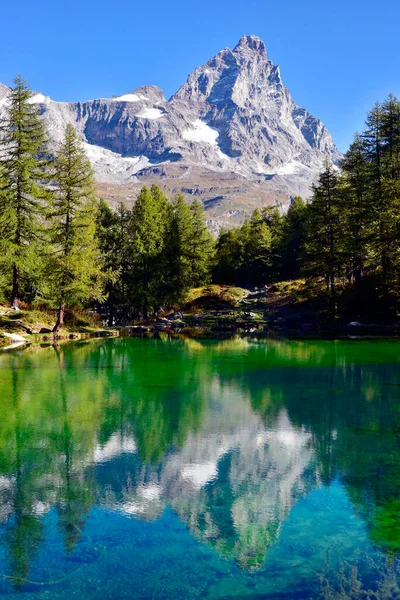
(141, 469)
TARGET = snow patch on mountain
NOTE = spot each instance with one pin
(128, 98)
(111, 164)
(150, 113)
(39, 99)
(293, 167)
(201, 132)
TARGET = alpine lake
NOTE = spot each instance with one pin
(143, 469)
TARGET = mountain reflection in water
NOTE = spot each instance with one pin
(240, 442)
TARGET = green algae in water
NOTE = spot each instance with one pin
(185, 469)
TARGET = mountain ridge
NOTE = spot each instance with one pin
(231, 135)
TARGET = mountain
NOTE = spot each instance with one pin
(231, 135)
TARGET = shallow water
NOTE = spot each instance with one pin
(143, 469)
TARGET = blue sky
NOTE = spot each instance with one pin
(337, 58)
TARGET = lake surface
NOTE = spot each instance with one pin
(150, 469)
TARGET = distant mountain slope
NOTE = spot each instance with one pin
(232, 136)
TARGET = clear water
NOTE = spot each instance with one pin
(142, 469)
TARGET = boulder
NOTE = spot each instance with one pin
(15, 338)
(45, 330)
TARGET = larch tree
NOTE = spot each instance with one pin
(112, 243)
(147, 233)
(357, 214)
(75, 265)
(324, 251)
(179, 251)
(293, 238)
(258, 260)
(202, 246)
(22, 184)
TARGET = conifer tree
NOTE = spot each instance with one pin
(274, 219)
(258, 261)
(202, 246)
(382, 147)
(373, 148)
(293, 239)
(160, 275)
(113, 242)
(148, 238)
(324, 240)
(75, 265)
(179, 249)
(390, 135)
(227, 256)
(22, 184)
(357, 214)
(390, 199)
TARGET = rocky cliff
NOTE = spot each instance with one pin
(231, 135)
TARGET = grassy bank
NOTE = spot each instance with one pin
(292, 309)
(36, 325)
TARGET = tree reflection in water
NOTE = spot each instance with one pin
(229, 435)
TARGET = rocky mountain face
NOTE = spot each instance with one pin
(232, 136)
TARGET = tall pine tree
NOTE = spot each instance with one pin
(293, 239)
(202, 246)
(22, 184)
(75, 265)
(357, 211)
(324, 250)
(148, 239)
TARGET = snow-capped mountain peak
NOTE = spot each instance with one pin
(232, 135)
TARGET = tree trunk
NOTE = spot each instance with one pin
(358, 274)
(60, 319)
(111, 317)
(15, 288)
(145, 309)
(332, 302)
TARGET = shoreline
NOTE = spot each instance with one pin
(271, 335)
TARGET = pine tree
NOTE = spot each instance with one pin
(227, 257)
(259, 258)
(293, 239)
(148, 239)
(202, 246)
(324, 252)
(113, 242)
(373, 148)
(274, 219)
(390, 201)
(75, 265)
(382, 148)
(22, 184)
(357, 210)
(179, 246)
(160, 275)
(390, 135)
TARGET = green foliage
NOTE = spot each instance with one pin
(22, 189)
(324, 251)
(249, 254)
(202, 246)
(148, 226)
(60, 246)
(158, 251)
(292, 244)
(346, 236)
(75, 266)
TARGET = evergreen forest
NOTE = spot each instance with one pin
(61, 246)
